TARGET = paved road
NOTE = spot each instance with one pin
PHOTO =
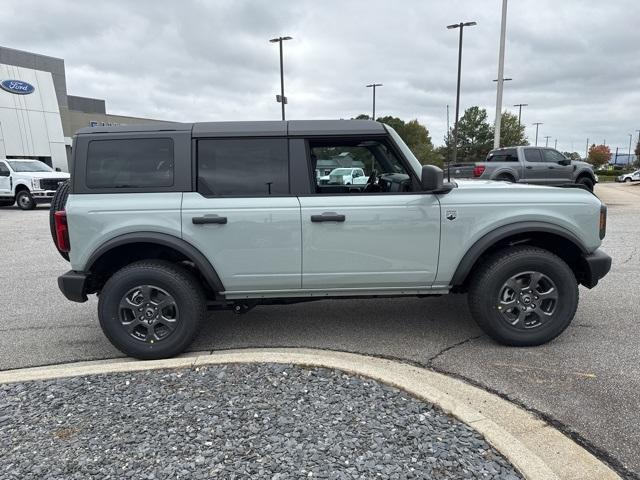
(587, 381)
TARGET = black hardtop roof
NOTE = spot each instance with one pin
(251, 129)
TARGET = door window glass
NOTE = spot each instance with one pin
(357, 166)
(246, 167)
(533, 155)
(508, 155)
(3, 168)
(552, 156)
(130, 163)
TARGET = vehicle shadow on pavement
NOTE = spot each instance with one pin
(416, 328)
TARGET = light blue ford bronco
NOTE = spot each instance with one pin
(166, 222)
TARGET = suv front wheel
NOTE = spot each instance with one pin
(151, 309)
(523, 296)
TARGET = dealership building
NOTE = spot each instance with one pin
(37, 116)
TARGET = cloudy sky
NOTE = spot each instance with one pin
(575, 62)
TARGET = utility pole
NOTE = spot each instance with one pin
(520, 105)
(449, 129)
(586, 152)
(503, 31)
(537, 124)
(281, 98)
(461, 26)
(374, 85)
(555, 145)
(547, 140)
(629, 157)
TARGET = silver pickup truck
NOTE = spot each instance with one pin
(539, 165)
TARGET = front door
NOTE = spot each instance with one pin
(5, 181)
(242, 218)
(377, 235)
(558, 174)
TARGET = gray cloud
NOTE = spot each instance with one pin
(574, 62)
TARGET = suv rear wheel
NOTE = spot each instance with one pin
(151, 309)
(586, 181)
(523, 296)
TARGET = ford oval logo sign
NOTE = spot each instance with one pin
(17, 86)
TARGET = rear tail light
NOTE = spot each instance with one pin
(479, 170)
(603, 221)
(62, 231)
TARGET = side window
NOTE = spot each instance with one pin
(552, 156)
(4, 169)
(509, 155)
(245, 167)
(533, 155)
(356, 166)
(130, 163)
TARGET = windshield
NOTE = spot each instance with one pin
(29, 166)
(406, 151)
(341, 171)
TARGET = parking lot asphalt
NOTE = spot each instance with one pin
(586, 382)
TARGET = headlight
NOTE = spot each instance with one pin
(35, 183)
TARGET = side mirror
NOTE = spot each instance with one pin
(4, 173)
(432, 178)
(565, 162)
(58, 169)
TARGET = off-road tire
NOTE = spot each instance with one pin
(587, 182)
(25, 201)
(505, 178)
(172, 278)
(627, 180)
(58, 202)
(489, 279)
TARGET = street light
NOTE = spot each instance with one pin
(503, 31)
(547, 140)
(537, 124)
(461, 26)
(520, 105)
(630, 138)
(374, 85)
(281, 98)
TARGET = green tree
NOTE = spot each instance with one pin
(511, 134)
(475, 135)
(572, 155)
(599, 155)
(637, 152)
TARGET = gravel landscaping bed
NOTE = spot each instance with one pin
(233, 421)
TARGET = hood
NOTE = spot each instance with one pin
(45, 174)
(483, 184)
(580, 163)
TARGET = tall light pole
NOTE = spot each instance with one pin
(555, 144)
(537, 124)
(547, 140)
(461, 26)
(586, 152)
(630, 139)
(520, 105)
(374, 85)
(503, 31)
(281, 98)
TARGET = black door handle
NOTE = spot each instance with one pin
(209, 219)
(328, 217)
(529, 167)
(552, 168)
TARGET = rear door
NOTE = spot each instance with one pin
(535, 166)
(558, 174)
(5, 179)
(242, 216)
(382, 235)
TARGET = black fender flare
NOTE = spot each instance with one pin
(164, 239)
(500, 233)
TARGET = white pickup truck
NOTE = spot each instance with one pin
(28, 182)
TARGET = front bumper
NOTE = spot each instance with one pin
(73, 285)
(595, 265)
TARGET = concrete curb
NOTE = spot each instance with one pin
(535, 448)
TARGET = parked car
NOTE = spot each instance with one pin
(167, 222)
(345, 176)
(539, 165)
(27, 183)
(629, 177)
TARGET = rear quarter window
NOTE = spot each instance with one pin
(130, 163)
(503, 156)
